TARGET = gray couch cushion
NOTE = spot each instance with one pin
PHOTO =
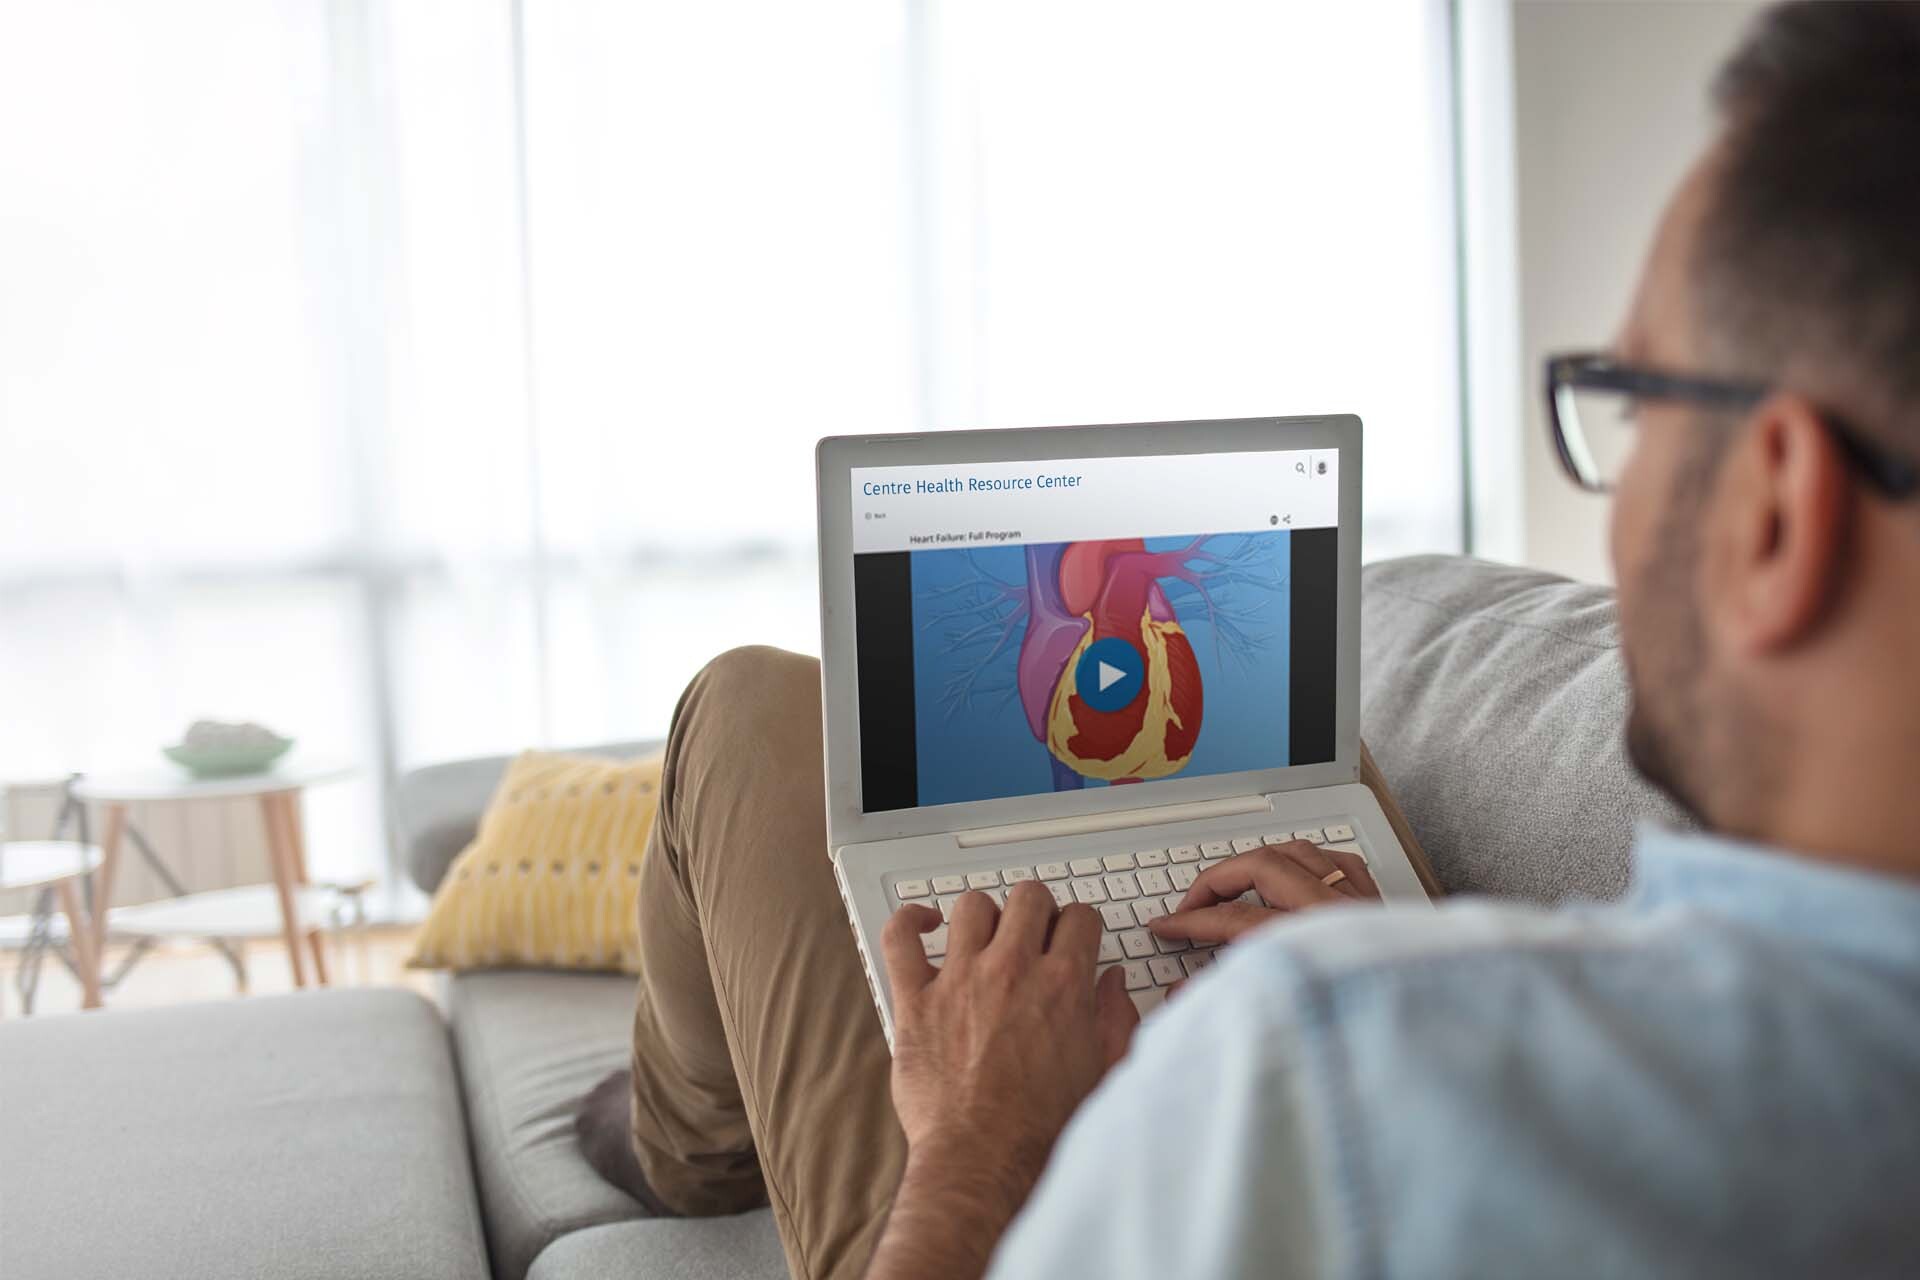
(745, 1247)
(529, 1044)
(315, 1135)
(1494, 700)
(437, 808)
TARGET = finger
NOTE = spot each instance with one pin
(1357, 871)
(1283, 882)
(1320, 866)
(972, 925)
(907, 967)
(1024, 921)
(1114, 1014)
(1076, 935)
(1223, 883)
(1222, 922)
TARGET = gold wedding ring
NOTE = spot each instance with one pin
(1333, 878)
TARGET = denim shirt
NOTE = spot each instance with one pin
(1718, 1075)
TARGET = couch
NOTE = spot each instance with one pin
(371, 1133)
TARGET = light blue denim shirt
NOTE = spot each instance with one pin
(1719, 1075)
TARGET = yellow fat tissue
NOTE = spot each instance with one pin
(1146, 756)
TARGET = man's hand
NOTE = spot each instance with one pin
(1290, 877)
(992, 1053)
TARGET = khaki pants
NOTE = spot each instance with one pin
(759, 1072)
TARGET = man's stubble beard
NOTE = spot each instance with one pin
(1670, 716)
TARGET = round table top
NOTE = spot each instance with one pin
(175, 783)
(29, 864)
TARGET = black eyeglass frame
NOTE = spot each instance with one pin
(1894, 476)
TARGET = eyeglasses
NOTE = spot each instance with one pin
(1592, 400)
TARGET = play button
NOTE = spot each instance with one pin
(1109, 674)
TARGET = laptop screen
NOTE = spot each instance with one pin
(1032, 627)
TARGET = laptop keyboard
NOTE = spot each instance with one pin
(1127, 889)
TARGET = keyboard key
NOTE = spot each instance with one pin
(1053, 871)
(1165, 970)
(1346, 848)
(1339, 831)
(1154, 880)
(1117, 916)
(1122, 886)
(1014, 875)
(1170, 946)
(1089, 890)
(1110, 952)
(1277, 837)
(1137, 943)
(1310, 836)
(1151, 857)
(1118, 861)
(1211, 863)
(982, 879)
(1246, 844)
(1147, 999)
(1138, 975)
(1216, 848)
(946, 902)
(1194, 961)
(1252, 898)
(999, 896)
(1148, 909)
(935, 942)
(911, 889)
(1172, 902)
(949, 884)
(1062, 893)
(1184, 853)
(1183, 878)
(1085, 866)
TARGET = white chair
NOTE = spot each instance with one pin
(57, 871)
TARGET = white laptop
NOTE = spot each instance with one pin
(1103, 658)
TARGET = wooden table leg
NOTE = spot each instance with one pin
(280, 855)
(80, 934)
(110, 841)
(297, 840)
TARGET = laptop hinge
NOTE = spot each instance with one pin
(1042, 828)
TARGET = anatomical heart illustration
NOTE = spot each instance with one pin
(1110, 649)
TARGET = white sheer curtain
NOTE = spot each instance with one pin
(436, 378)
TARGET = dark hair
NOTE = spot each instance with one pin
(1808, 261)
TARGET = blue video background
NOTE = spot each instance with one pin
(972, 737)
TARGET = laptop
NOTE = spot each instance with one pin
(1105, 658)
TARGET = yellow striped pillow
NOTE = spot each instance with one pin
(552, 879)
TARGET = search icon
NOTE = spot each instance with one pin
(1301, 467)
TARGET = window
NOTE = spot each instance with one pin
(439, 378)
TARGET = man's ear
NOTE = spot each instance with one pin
(1785, 507)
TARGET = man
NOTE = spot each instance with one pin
(1720, 1074)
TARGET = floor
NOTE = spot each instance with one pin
(188, 973)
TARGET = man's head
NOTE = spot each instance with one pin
(1767, 592)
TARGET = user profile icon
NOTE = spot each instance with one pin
(1322, 466)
